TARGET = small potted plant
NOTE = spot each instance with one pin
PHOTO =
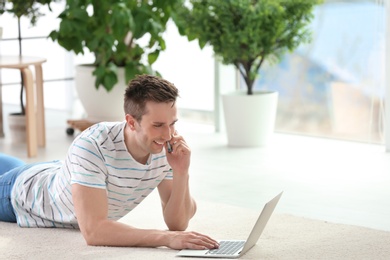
(30, 10)
(125, 38)
(246, 33)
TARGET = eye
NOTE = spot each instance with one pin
(158, 125)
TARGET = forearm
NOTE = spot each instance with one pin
(113, 233)
(180, 207)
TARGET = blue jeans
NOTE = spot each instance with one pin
(10, 168)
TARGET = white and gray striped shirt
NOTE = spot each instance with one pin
(98, 158)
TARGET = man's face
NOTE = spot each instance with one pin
(156, 126)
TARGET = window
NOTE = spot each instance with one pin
(334, 86)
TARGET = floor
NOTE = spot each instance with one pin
(331, 180)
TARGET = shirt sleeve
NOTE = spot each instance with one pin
(87, 165)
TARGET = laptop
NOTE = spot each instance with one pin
(237, 248)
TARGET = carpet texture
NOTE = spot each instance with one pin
(285, 237)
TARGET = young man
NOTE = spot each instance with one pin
(109, 169)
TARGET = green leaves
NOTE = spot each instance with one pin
(152, 57)
(106, 76)
(27, 8)
(112, 30)
(245, 32)
(121, 20)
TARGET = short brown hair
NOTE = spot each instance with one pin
(144, 88)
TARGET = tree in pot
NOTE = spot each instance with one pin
(125, 37)
(32, 11)
(245, 33)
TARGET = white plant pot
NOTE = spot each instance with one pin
(17, 126)
(249, 119)
(99, 104)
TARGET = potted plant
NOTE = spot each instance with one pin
(245, 33)
(125, 37)
(30, 10)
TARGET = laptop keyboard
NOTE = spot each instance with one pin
(227, 248)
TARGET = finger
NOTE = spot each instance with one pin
(204, 240)
(177, 136)
(210, 241)
(181, 148)
(175, 139)
(177, 147)
(201, 244)
(170, 145)
(197, 247)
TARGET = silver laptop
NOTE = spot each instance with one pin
(236, 248)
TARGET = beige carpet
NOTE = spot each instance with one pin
(285, 237)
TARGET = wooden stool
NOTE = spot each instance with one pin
(35, 113)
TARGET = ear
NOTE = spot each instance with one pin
(130, 120)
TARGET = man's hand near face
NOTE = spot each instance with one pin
(179, 158)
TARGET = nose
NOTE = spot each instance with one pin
(168, 131)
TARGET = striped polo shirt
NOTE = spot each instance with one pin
(97, 158)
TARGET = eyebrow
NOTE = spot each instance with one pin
(161, 123)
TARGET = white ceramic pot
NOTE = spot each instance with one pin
(17, 126)
(249, 119)
(99, 104)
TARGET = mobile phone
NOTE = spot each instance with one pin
(169, 147)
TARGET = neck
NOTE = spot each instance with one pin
(133, 147)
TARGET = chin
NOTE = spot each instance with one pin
(155, 150)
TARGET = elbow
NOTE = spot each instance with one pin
(91, 237)
(177, 223)
(180, 222)
(91, 242)
(177, 226)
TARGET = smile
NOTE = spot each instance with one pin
(159, 143)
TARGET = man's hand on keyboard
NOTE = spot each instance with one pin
(191, 240)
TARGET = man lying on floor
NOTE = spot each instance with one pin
(109, 169)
